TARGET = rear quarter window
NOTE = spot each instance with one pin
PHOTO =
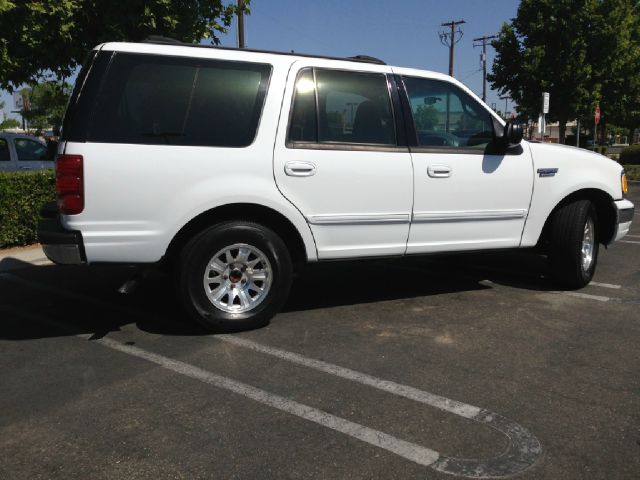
(149, 99)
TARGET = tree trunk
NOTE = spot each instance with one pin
(562, 129)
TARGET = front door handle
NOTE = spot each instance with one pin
(300, 169)
(439, 171)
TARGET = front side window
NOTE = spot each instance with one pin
(5, 156)
(180, 101)
(445, 116)
(30, 150)
(335, 107)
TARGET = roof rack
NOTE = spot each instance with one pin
(159, 39)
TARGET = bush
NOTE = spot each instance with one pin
(630, 155)
(633, 172)
(22, 194)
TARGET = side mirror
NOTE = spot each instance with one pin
(512, 135)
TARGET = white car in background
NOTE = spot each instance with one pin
(20, 152)
(234, 166)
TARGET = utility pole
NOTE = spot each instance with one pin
(240, 23)
(483, 58)
(450, 40)
(506, 99)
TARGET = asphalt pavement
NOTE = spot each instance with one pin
(442, 367)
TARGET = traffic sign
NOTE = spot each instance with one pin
(597, 115)
(545, 102)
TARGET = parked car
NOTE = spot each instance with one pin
(232, 167)
(23, 152)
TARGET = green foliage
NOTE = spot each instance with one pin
(41, 37)
(633, 172)
(22, 194)
(584, 52)
(9, 123)
(48, 101)
(630, 155)
(425, 117)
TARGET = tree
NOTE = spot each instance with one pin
(44, 38)
(9, 123)
(616, 50)
(426, 117)
(545, 49)
(47, 104)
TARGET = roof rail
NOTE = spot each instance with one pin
(162, 40)
(366, 58)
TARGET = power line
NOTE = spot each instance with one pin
(450, 39)
(483, 59)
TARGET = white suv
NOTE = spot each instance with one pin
(233, 166)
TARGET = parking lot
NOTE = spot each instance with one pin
(438, 367)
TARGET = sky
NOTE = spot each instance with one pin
(400, 32)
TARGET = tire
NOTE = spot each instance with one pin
(574, 226)
(235, 257)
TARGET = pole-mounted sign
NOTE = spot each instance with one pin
(597, 115)
(545, 102)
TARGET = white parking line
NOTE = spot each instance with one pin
(606, 285)
(628, 241)
(522, 452)
(632, 236)
(585, 296)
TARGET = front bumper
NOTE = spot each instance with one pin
(624, 210)
(61, 246)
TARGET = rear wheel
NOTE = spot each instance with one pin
(573, 253)
(234, 276)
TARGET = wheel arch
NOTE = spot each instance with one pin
(605, 210)
(261, 214)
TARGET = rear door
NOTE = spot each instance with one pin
(342, 160)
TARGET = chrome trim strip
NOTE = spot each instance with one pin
(466, 216)
(358, 219)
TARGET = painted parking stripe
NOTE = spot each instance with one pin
(606, 285)
(628, 241)
(585, 296)
(632, 236)
(523, 450)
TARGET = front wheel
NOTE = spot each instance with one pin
(234, 276)
(574, 245)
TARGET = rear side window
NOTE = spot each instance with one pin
(336, 107)
(30, 150)
(179, 101)
(4, 151)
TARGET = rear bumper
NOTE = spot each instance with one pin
(625, 210)
(61, 246)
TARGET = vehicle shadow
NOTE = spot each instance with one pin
(87, 299)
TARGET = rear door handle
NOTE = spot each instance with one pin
(439, 171)
(300, 169)
(25, 168)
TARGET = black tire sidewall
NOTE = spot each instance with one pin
(198, 253)
(566, 248)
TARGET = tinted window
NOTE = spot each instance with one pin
(30, 150)
(346, 107)
(179, 101)
(303, 126)
(5, 156)
(445, 116)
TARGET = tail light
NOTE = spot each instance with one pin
(70, 184)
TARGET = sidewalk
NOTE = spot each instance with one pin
(22, 257)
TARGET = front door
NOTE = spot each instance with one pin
(341, 160)
(32, 155)
(468, 196)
